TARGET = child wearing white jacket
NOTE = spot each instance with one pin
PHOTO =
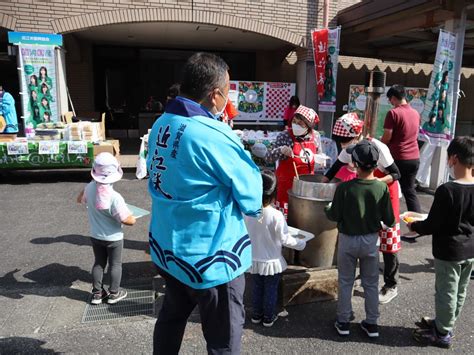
(268, 234)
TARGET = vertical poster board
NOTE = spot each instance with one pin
(260, 101)
(437, 120)
(326, 54)
(416, 97)
(39, 82)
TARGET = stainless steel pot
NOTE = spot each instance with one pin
(307, 201)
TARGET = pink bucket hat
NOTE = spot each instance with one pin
(308, 113)
(348, 125)
(106, 169)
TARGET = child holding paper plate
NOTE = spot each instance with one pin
(268, 234)
(107, 211)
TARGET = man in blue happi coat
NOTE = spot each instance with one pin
(201, 183)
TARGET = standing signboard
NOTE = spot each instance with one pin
(437, 121)
(39, 82)
(325, 53)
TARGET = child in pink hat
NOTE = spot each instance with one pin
(107, 211)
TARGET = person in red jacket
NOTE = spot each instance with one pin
(294, 148)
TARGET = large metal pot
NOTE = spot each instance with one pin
(307, 201)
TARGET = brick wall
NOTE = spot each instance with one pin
(296, 17)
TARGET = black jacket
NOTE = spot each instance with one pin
(451, 221)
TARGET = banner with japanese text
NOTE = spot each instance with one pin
(325, 53)
(39, 99)
(437, 119)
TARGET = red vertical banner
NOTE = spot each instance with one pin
(320, 52)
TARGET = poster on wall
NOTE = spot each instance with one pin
(260, 101)
(39, 97)
(251, 99)
(416, 97)
(437, 121)
(277, 99)
(325, 54)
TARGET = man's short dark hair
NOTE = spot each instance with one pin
(174, 90)
(463, 149)
(398, 91)
(202, 73)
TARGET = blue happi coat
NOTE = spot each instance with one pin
(7, 110)
(201, 181)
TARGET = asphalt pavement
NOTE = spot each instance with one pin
(45, 280)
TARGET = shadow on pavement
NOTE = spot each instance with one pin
(427, 266)
(81, 240)
(23, 345)
(316, 321)
(57, 280)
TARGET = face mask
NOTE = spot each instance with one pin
(451, 172)
(298, 130)
(218, 114)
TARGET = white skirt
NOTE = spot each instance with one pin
(268, 267)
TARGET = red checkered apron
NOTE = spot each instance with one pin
(303, 152)
(390, 237)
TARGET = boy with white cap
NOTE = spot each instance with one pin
(107, 211)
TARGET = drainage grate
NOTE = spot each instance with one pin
(139, 302)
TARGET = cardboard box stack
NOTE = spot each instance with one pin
(73, 132)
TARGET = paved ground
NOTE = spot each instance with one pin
(45, 281)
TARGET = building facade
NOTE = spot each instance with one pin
(121, 52)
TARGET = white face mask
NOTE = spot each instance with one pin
(218, 114)
(298, 130)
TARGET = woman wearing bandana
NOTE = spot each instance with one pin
(295, 147)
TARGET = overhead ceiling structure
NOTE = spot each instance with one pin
(180, 36)
(405, 31)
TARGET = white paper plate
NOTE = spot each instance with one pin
(414, 215)
(300, 234)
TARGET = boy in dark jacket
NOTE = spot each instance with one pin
(450, 221)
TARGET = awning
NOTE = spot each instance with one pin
(405, 31)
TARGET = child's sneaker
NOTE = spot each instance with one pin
(256, 319)
(98, 297)
(115, 297)
(269, 322)
(372, 330)
(387, 294)
(433, 337)
(342, 328)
